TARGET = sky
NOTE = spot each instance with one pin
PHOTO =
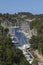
(15, 6)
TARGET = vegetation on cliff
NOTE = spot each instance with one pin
(37, 41)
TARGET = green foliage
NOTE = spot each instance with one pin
(39, 16)
(28, 15)
(0, 22)
(10, 54)
(24, 62)
(35, 62)
(34, 42)
(40, 48)
(37, 24)
(3, 31)
(6, 30)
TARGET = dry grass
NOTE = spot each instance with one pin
(39, 56)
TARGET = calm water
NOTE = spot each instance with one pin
(21, 37)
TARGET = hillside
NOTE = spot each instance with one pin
(37, 41)
(9, 53)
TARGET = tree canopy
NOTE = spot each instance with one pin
(10, 54)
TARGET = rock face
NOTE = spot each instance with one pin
(28, 55)
(34, 32)
(6, 23)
